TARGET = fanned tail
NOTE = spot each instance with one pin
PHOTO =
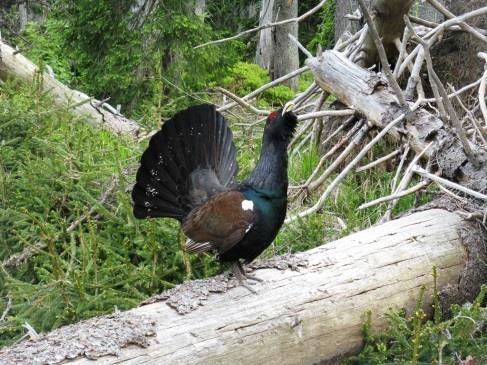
(188, 160)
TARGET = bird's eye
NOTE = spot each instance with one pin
(272, 116)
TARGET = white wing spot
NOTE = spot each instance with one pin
(247, 205)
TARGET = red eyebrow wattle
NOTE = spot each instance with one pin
(272, 116)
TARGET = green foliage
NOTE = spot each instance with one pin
(325, 36)
(113, 49)
(244, 78)
(53, 169)
(414, 341)
(49, 47)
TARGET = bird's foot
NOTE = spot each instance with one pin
(244, 278)
(253, 277)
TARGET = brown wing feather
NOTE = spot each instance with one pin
(222, 222)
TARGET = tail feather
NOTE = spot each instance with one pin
(190, 158)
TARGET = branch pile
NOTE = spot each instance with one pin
(441, 139)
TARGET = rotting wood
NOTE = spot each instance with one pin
(368, 93)
(312, 314)
(14, 64)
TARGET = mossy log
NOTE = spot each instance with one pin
(309, 309)
(14, 65)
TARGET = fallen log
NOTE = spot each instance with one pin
(309, 308)
(14, 64)
(368, 93)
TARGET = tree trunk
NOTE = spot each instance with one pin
(286, 55)
(265, 44)
(14, 64)
(343, 7)
(23, 16)
(388, 19)
(312, 314)
(343, 24)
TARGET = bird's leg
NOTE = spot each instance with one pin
(242, 278)
(246, 275)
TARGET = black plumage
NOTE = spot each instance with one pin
(188, 173)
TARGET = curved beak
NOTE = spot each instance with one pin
(288, 107)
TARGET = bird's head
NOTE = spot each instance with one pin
(281, 124)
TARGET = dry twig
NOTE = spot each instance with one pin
(264, 26)
(7, 309)
(383, 56)
(379, 161)
(242, 102)
(263, 88)
(395, 196)
(420, 171)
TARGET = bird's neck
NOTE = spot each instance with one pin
(270, 174)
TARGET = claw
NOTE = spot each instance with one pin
(243, 277)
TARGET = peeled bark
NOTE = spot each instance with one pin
(14, 64)
(309, 309)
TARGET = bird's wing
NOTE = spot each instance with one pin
(220, 223)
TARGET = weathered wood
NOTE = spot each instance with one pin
(310, 315)
(368, 93)
(13, 64)
(387, 16)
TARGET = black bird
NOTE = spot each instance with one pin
(188, 173)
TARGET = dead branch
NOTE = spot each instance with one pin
(382, 55)
(483, 87)
(449, 183)
(242, 102)
(20, 258)
(7, 309)
(449, 15)
(396, 196)
(440, 90)
(379, 161)
(264, 26)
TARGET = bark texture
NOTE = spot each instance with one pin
(286, 56)
(14, 64)
(388, 19)
(342, 24)
(275, 51)
(265, 44)
(368, 93)
(309, 309)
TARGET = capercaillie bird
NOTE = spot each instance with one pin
(188, 172)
